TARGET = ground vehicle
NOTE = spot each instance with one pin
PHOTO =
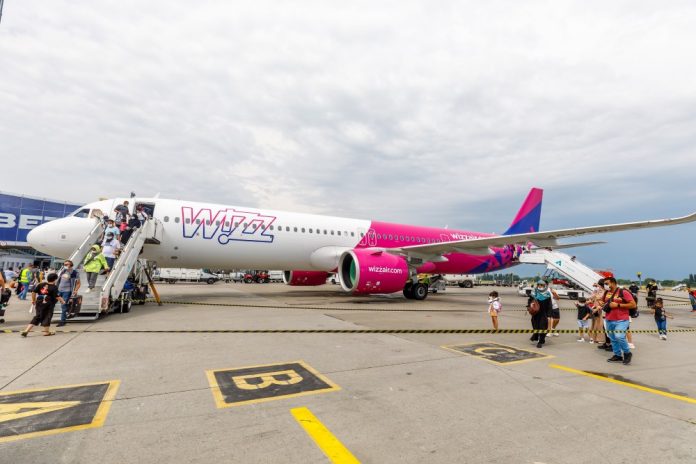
(463, 280)
(275, 276)
(237, 276)
(173, 275)
(259, 277)
(679, 288)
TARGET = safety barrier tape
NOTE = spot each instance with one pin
(327, 308)
(354, 331)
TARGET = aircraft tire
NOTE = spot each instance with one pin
(420, 292)
(408, 291)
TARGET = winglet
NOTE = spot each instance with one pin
(529, 215)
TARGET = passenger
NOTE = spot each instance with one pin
(634, 289)
(110, 248)
(142, 214)
(111, 228)
(120, 218)
(133, 223)
(617, 304)
(5, 296)
(94, 263)
(692, 298)
(68, 286)
(540, 320)
(584, 319)
(123, 208)
(651, 290)
(554, 314)
(44, 299)
(25, 279)
(494, 308)
(661, 316)
(598, 321)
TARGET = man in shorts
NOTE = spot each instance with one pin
(44, 299)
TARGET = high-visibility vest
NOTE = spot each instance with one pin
(25, 276)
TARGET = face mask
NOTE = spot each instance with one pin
(607, 287)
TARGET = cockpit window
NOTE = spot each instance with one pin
(81, 213)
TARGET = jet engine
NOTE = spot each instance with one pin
(367, 271)
(305, 278)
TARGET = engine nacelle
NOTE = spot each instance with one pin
(366, 271)
(305, 278)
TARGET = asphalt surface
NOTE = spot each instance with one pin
(386, 398)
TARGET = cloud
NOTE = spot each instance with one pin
(407, 111)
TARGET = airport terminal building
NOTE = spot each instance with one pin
(19, 214)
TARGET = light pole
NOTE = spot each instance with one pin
(640, 284)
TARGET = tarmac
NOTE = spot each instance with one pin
(202, 397)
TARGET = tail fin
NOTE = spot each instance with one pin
(529, 215)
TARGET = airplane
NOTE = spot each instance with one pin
(371, 257)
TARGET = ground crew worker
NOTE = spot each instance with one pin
(94, 263)
(25, 278)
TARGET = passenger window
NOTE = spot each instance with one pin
(294, 229)
(325, 232)
(176, 219)
(361, 234)
(271, 227)
(303, 230)
(236, 224)
(287, 229)
(166, 218)
(217, 223)
(332, 232)
(352, 234)
(245, 225)
(198, 221)
(188, 221)
(207, 223)
(310, 231)
(338, 233)
(227, 223)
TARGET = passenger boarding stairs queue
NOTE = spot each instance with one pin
(563, 264)
(109, 287)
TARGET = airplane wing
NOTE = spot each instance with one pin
(480, 246)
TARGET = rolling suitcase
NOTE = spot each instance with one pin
(5, 295)
(74, 306)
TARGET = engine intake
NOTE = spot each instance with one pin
(305, 278)
(368, 271)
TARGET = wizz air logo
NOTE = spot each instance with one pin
(385, 270)
(226, 225)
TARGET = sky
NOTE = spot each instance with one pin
(429, 113)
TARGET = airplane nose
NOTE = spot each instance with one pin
(36, 238)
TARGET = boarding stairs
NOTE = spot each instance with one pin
(563, 264)
(109, 287)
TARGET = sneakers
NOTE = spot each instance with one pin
(663, 337)
(591, 341)
(539, 345)
(632, 346)
(24, 333)
(555, 334)
(60, 324)
(88, 290)
(627, 358)
(581, 340)
(616, 359)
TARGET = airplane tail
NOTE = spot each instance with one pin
(529, 215)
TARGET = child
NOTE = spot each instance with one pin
(44, 299)
(661, 316)
(584, 319)
(494, 307)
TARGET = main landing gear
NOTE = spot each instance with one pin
(416, 291)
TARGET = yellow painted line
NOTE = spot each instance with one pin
(325, 440)
(686, 399)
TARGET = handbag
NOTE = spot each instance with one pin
(533, 307)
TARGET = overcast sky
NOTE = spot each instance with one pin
(433, 113)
